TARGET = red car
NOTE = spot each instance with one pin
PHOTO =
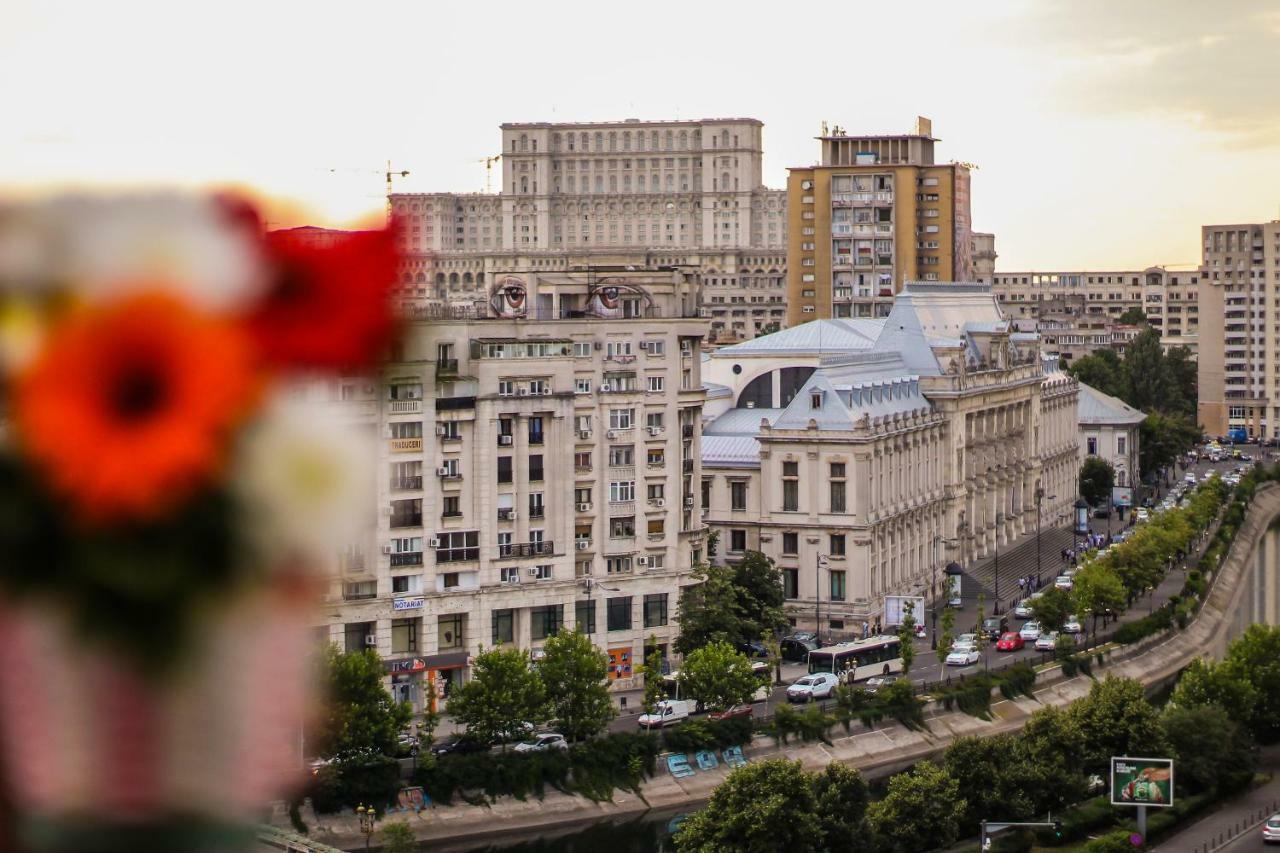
(1010, 641)
(731, 712)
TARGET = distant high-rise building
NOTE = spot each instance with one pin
(1239, 382)
(875, 213)
(983, 250)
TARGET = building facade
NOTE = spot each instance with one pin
(983, 251)
(862, 455)
(1109, 430)
(876, 212)
(540, 452)
(1237, 367)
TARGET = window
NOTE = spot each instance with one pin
(450, 580)
(654, 420)
(582, 386)
(657, 384)
(655, 610)
(655, 347)
(837, 586)
(545, 621)
(510, 574)
(582, 349)
(504, 469)
(404, 636)
(656, 457)
(655, 491)
(506, 388)
(535, 430)
(1121, 442)
(406, 513)
(737, 540)
(582, 460)
(406, 429)
(790, 583)
(622, 454)
(542, 573)
(1092, 444)
(622, 490)
(537, 509)
(618, 615)
(737, 494)
(449, 431)
(585, 617)
(790, 495)
(837, 544)
(617, 565)
(706, 494)
(622, 528)
(406, 584)
(791, 543)
(837, 496)
(621, 418)
(535, 467)
(459, 545)
(449, 632)
(504, 627)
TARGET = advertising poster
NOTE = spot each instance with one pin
(1142, 782)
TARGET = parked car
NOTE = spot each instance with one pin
(1023, 609)
(542, 743)
(1143, 513)
(963, 656)
(458, 746)
(818, 685)
(1102, 511)
(995, 626)
(753, 649)
(966, 640)
(1071, 626)
(1047, 642)
(797, 646)
(878, 682)
(1030, 631)
(1064, 582)
(731, 712)
(668, 712)
(1010, 641)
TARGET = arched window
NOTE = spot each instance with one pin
(653, 140)
(524, 142)
(670, 182)
(466, 279)
(599, 141)
(684, 139)
(724, 139)
(626, 140)
(439, 278)
(724, 180)
(613, 141)
(670, 137)
(421, 279)
(453, 278)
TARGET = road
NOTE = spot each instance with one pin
(1241, 817)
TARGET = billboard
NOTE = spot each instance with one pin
(1142, 782)
(895, 609)
(1122, 496)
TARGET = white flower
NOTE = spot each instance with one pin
(306, 482)
(103, 246)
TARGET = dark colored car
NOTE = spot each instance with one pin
(1102, 511)
(994, 626)
(797, 646)
(753, 649)
(460, 746)
(731, 712)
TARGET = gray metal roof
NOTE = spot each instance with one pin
(730, 451)
(1104, 410)
(812, 337)
(740, 422)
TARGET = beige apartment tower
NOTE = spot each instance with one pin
(875, 213)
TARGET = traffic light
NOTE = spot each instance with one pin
(1057, 829)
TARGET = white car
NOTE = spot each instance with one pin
(1063, 582)
(1271, 829)
(818, 685)
(541, 743)
(1023, 609)
(963, 656)
(1143, 514)
(1047, 642)
(1030, 631)
(966, 640)
(1071, 626)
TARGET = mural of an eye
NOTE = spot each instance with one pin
(508, 298)
(612, 298)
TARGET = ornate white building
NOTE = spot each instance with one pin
(863, 455)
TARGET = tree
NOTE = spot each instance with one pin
(921, 811)
(718, 676)
(1207, 683)
(1096, 479)
(1052, 608)
(504, 694)
(765, 806)
(1116, 719)
(651, 669)
(994, 777)
(398, 838)
(360, 715)
(1210, 750)
(907, 633)
(840, 798)
(947, 637)
(1103, 370)
(574, 673)
(1184, 383)
(1254, 657)
(1097, 591)
(1162, 438)
(1148, 382)
(708, 610)
(1133, 317)
(760, 596)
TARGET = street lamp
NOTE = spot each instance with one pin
(820, 564)
(368, 820)
(1039, 499)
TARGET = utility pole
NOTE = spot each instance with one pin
(819, 562)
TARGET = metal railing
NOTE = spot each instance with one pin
(526, 549)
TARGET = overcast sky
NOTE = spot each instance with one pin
(1105, 131)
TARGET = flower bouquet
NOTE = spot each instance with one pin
(167, 496)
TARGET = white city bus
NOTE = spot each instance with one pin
(859, 659)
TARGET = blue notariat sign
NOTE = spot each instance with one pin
(407, 603)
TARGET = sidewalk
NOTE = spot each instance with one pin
(1238, 820)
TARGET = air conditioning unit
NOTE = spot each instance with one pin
(513, 578)
(597, 346)
(441, 429)
(606, 387)
(583, 544)
(688, 501)
(642, 561)
(584, 507)
(533, 572)
(522, 392)
(584, 434)
(433, 542)
(658, 502)
(655, 430)
(505, 440)
(611, 435)
(442, 471)
(546, 391)
(386, 549)
(370, 640)
(511, 516)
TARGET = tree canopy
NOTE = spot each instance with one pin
(765, 806)
(718, 676)
(574, 673)
(504, 694)
(922, 810)
(1096, 479)
(360, 715)
(1133, 316)
(733, 603)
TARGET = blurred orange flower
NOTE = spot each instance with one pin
(128, 408)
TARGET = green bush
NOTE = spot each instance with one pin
(1132, 632)
(899, 701)
(1019, 679)
(1112, 842)
(369, 780)
(707, 734)
(972, 696)
(809, 725)
(295, 818)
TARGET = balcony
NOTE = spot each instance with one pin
(405, 445)
(404, 407)
(686, 431)
(687, 466)
(456, 555)
(407, 520)
(447, 367)
(454, 404)
(526, 549)
(406, 558)
(451, 513)
(538, 512)
(406, 483)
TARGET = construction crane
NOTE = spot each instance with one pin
(488, 171)
(389, 173)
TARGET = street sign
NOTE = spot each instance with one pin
(1142, 782)
(895, 609)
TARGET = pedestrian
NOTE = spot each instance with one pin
(1022, 585)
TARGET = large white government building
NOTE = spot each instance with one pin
(862, 455)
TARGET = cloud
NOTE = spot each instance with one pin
(1210, 64)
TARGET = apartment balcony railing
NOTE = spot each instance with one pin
(411, 520)
(446, 367)
(454, 404)
(407, 482)
(404, 407)
(406, 558)
(526, 549)
(456, 555)
(405, 445)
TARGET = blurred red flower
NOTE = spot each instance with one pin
(328, 306)
(128, 407)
